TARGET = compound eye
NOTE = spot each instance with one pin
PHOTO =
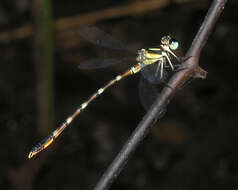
(174, 45)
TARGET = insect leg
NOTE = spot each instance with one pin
(167, 57)
(161, 69)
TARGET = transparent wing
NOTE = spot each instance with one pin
(148, 93)
(101, 63)
(151, 73)
(101, 38)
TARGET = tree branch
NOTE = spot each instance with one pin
(188, 69)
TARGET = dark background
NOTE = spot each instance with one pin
(194, 146)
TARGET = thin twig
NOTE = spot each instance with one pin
(189, 69)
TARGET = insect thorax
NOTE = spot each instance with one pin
(149, 56)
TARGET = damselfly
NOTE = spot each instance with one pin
(156, 59)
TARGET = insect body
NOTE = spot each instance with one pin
(159, 55)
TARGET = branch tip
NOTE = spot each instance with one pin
(200, 73)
